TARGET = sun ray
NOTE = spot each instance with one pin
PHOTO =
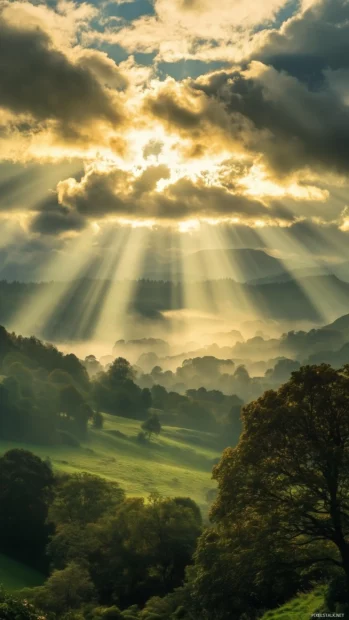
(232, 297)
(72, 261)
(319, 290)
(115, 317)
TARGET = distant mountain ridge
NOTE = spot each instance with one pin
(244, 265)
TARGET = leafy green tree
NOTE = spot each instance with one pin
(159, 396)
(151, 426)
(15, 609)
(107, 613)
(23, 375)
(175, 606)
(65, 590)
(146, 397)
(83, 498)
(120, 371)
(74, 408)
(6, 343)
(26, 485)
(70, 400)
(143, 549)
(288, 479)
(60, 377)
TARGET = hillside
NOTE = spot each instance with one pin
(241, 265)
(341, 325)
(15, 575)
(300, 608)
(179, 462)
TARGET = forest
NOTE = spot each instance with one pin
(48, 397)
(278, 526)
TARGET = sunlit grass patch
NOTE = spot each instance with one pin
(300, 608)
(169, 464)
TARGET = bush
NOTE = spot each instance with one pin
(132, 613)
(113, 613)
(13, 609)
(141, 437)
(107, 613)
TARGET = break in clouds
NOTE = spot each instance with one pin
(234, 116)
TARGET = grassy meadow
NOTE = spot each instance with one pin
(300, 608)
(15, 575)
(177, 463)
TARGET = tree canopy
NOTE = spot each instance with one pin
(289, 479)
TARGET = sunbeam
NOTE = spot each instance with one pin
(63, 267)
(320, 290)
(115, 317)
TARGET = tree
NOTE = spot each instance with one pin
(26, 484)
(13, 609)
(159, 396)
(74, 407)
(289, 476)
(65, 590)
(70, 400)
(143, 549)
(120, 371)
(152, 426)
(84, 498)
(146, 398)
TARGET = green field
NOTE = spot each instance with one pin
(15, 576)
(300, 608)
(177, 463)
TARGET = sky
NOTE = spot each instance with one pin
(178, 124)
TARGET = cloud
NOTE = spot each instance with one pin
(197, 29)
(312, 41)
(263, 141)
(120, 193)
(55, 219)
(260, 111)
(51, 88)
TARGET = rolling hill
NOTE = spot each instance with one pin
(302, 607)
(178, 463)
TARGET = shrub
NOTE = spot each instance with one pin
(141, 437)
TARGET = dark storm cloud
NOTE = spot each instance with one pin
(316, 40)
(54, 219)
(292, 126)
(40, 80)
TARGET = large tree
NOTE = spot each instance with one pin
(289, 479)
(152, 426)
(83, 498)
(26, 484)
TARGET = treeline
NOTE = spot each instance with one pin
(101, 550)
(208, 410)
(279, 525)
(48, 397)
